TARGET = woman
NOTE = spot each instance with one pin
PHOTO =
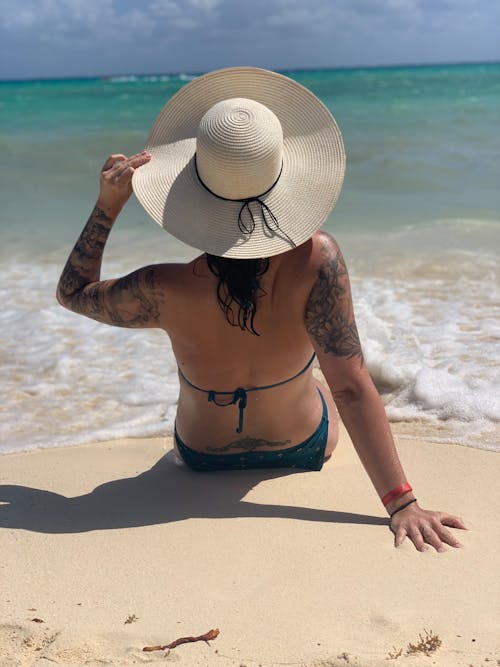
(245, 165)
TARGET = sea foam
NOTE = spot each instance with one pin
(431, 347)
(430, 340)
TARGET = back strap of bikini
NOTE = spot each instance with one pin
(239, 395)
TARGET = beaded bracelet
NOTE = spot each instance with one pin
(413, 500)
(396, 493)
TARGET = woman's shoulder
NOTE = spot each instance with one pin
(177, 273)
(325, 246)
(321, 249)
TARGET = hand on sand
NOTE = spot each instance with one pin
(425, 527)
(116, 181)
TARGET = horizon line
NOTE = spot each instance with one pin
(92, 77)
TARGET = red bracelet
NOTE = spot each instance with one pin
(396, 493)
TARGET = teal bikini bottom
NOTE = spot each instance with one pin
(308, 455)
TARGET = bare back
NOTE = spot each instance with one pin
(305, 306)
(214, 355)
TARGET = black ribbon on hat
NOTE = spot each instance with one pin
(268, 217)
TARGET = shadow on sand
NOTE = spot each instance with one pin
(160, 495)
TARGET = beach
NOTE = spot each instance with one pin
(109, 545)
(417, 222)
(293, 569)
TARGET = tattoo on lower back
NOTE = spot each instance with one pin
(248, 444)
(329, 316)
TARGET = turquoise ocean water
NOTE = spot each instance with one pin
(418, 220)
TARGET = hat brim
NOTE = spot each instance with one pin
(308, 188)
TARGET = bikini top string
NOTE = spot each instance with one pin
(239, 395)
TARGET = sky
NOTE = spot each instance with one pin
(65, 38)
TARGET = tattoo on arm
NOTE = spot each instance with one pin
(84, 263)
(329, 316)
(132, 301)
(90, 245)
(248, 444)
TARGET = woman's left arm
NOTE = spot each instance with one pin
(329, 319)
(131, 301)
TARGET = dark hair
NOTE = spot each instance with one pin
(239, 287)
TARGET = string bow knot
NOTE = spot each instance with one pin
(269, 219)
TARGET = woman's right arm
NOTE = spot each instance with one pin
(331, 325)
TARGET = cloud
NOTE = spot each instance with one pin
(295, 13)
(62, 16)
(206, 5)
(129, 35)
(54, 13)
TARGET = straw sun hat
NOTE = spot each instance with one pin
(246, 163)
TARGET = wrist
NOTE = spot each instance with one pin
(403, 507)
(110, 210)
(395, 493)
(399, 502)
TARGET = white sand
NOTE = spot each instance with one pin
(294, 569)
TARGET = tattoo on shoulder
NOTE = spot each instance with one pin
(329, 315)
(248, 444)
(133, 301)
(143, 293)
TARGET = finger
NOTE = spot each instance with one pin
(123, 170)
(447, 536)
(400, 537)
(139, 159)
(452, 521)
(112, 159)
(430, 536)
(119, 168)
(416, 537)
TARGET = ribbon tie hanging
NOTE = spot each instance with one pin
(269, 219)
(240, 395)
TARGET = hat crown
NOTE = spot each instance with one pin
(239, 148)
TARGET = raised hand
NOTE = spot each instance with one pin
(116, 181)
